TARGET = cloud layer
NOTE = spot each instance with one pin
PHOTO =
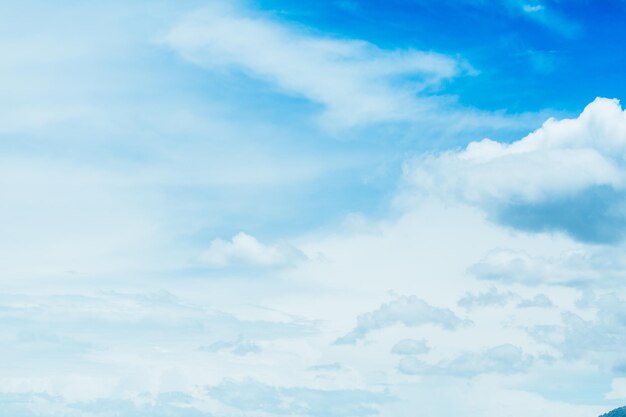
(505, 359)
(253, 396)
(139, 138)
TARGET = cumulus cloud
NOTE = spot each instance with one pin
(504, 359)
(245, 250)
(569, 175)
(354, 80)
(410, 347)
(409, 311)
(538, 301)
(254, 396)
(492, 297)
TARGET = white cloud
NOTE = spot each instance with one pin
(512, 266)
(245, 250)
(411, 255)
(410, 311)
(561, 157)
(495, 298)
(528, 8)
(354, 80)
(123, 342)
(492, 297)
(569, 175)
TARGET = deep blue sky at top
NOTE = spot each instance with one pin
(561, 57)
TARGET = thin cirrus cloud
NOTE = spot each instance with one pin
(245, 250)
(253, 396)
(549, 18)
(409, 310)
(62, 326)
(355, 81)
(567, 176)
(543, 13)
(175, 404)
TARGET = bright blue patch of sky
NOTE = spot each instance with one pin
(554, 54)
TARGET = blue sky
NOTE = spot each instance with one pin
(325, 208)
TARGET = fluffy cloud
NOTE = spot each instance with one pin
(504, 359)
(489, 298)
(245, 250)
(569, 175)
(409, 311)
(357, 78)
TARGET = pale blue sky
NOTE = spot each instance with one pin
(326, 208)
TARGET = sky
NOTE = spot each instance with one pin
(330, 208)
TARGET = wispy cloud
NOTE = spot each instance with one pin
(355, 81)
(36, 404)
(254, 396)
